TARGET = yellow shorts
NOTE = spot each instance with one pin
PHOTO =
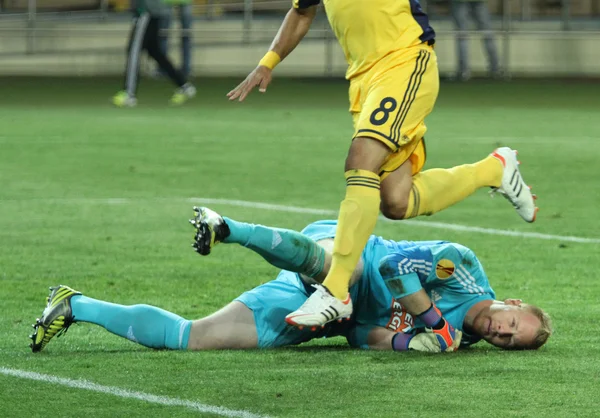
(390, 104)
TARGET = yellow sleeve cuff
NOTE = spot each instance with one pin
(270, 60)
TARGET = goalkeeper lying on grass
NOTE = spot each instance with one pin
(430, 296)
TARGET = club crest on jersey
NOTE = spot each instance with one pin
(444, 269)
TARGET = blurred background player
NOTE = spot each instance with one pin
(394, 84)
(183, 8)
(478, 10)
(145, 36)
(446, 272)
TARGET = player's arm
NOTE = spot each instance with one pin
(383, 339)
(399, 273)
(293, 29)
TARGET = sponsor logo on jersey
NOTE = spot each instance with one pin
(444, 269)
(401, 321)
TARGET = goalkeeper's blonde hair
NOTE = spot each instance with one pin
(545, 330)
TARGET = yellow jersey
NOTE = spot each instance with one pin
(369, 30)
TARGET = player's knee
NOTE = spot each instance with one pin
(210, 334)
(199, 335)
(366, 154)
(395, 194)
(394, 207)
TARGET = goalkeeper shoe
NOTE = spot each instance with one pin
(123, 99)
(211, 229)
(319, 309)
(183, 94)
(56, 318)
(513, 187)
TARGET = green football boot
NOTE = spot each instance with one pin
(183, 94)
(123, 99)
(56, 318)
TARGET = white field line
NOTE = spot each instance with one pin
(444, 226)
(128, 394)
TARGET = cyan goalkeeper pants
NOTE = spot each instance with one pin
(145, 36)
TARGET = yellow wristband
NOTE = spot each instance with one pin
(270, 60)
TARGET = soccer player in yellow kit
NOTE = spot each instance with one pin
(394, 82)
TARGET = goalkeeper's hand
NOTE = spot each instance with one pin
(443, 339)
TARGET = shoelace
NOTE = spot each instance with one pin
(504, 195)
(315, 302)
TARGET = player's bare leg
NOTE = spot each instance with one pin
(358, 216)
(395, 192)
(232, 327)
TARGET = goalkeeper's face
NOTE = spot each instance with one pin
(508, 325)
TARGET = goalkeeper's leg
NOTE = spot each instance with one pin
(144, 324)
(232, 327)
(283, 248)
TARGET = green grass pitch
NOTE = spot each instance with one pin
(98, 198)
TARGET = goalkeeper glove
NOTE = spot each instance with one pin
(429, 340)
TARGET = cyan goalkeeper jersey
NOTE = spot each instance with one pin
(450, 273)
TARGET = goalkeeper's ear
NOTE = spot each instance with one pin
(544, 331)
(514, 302)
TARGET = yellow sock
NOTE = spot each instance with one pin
(358, 215)
(435, 190)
